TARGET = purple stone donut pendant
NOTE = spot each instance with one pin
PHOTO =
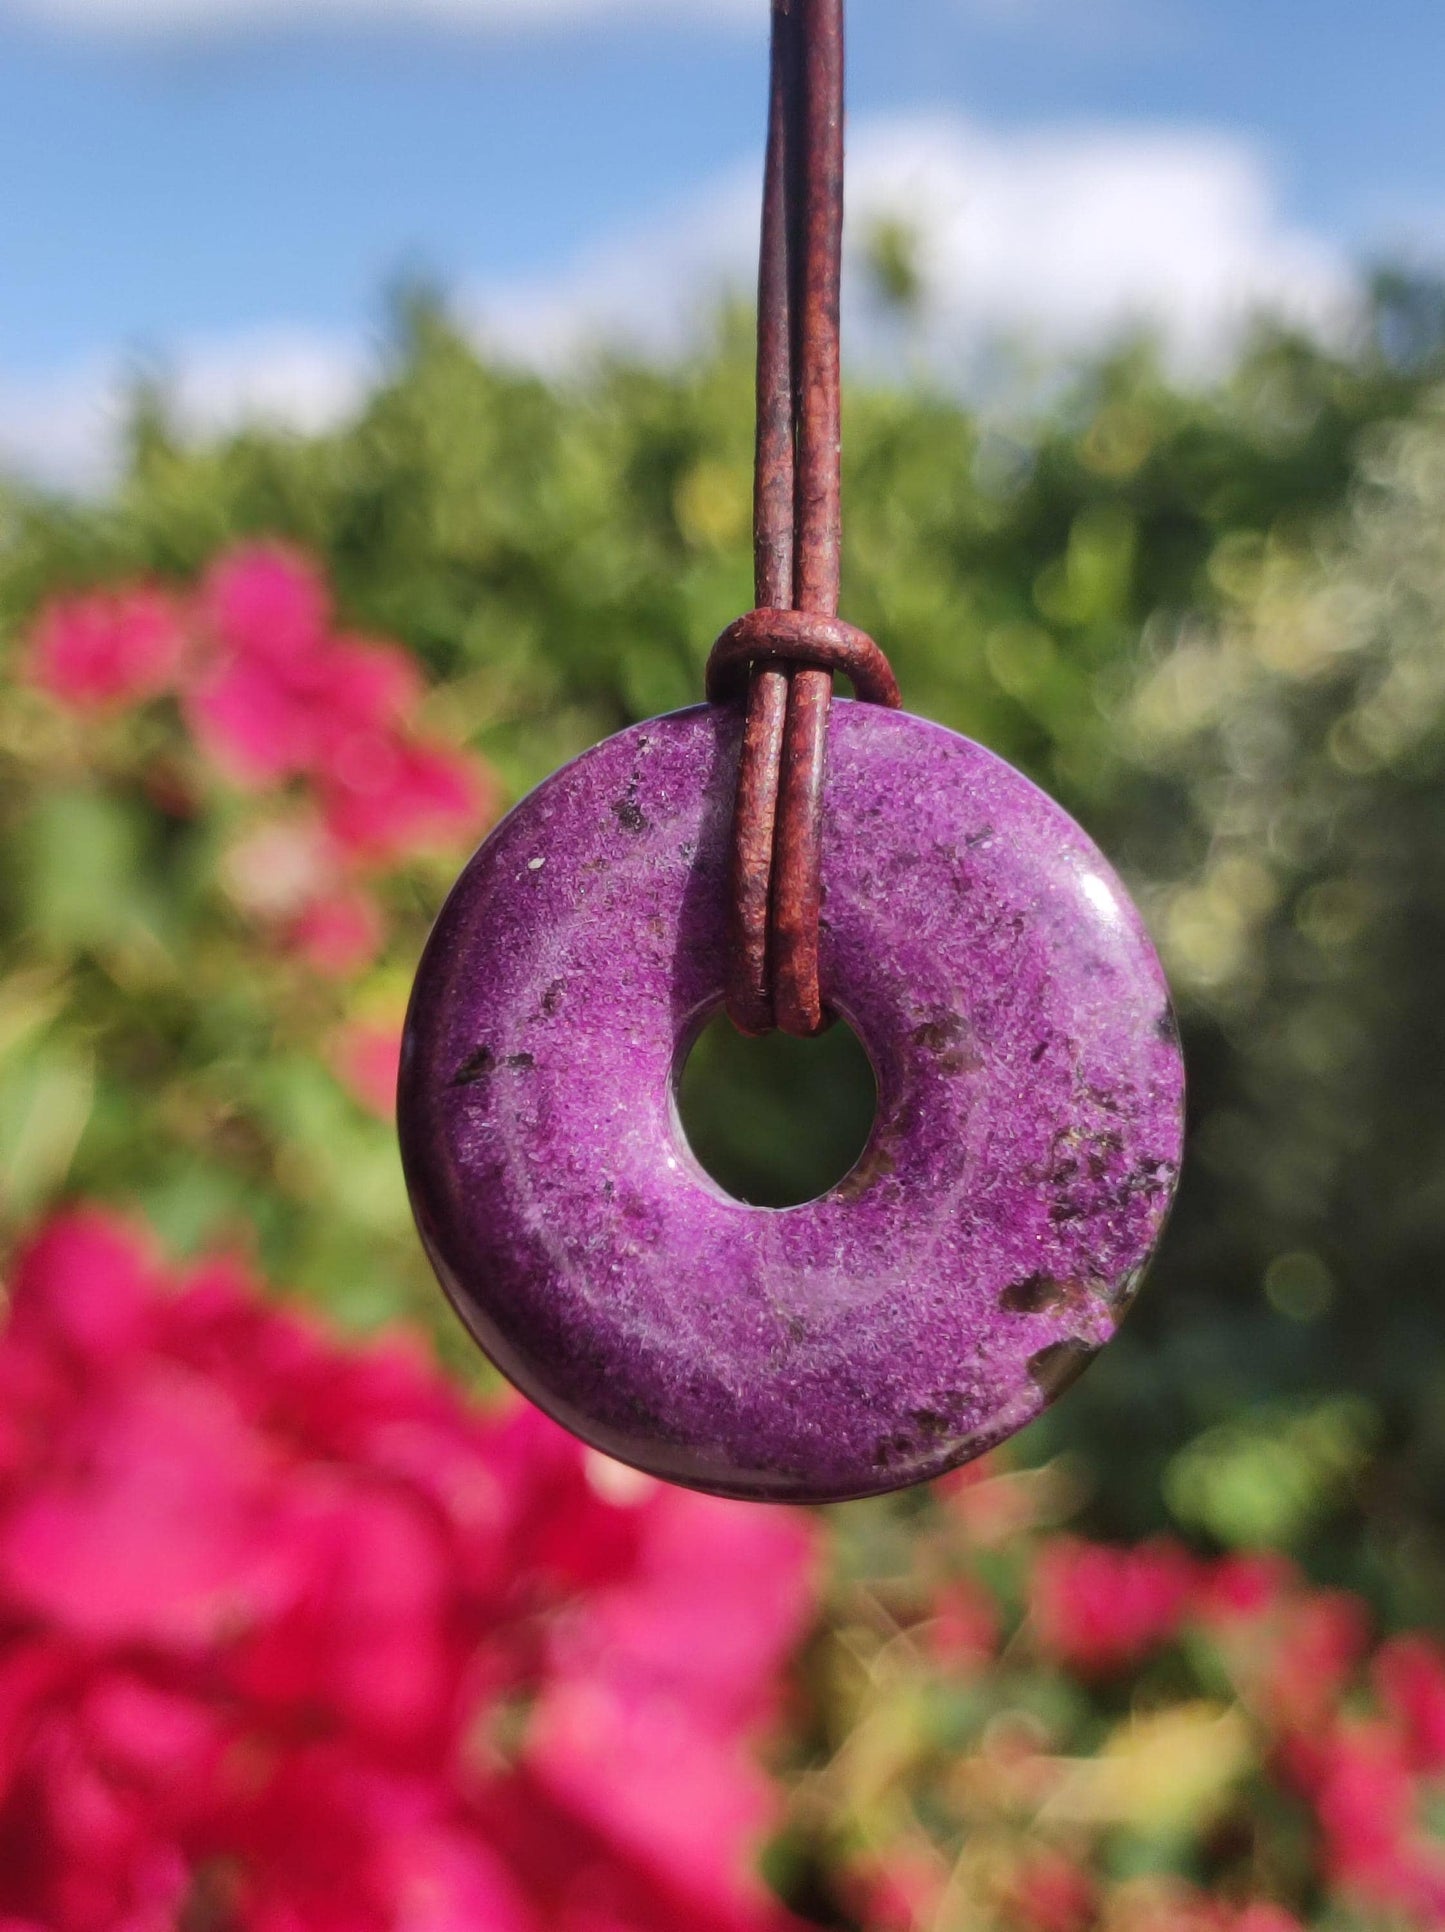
(992, 1235)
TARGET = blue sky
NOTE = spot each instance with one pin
(175, 174)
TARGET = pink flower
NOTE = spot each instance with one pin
(689, 1627)
(291, 700)
(1242, 1587)
(281, 684)
(338, 933)
(287, 877)
(255, 718)
(107, 648)
(266, 601)
(1292, 1651)
(373, 684)
(1052, 1894)
(385, 797)
(1409, 1675)
(1364, 1796)
(296, 1641)
(1099, 1609)
(83, 1292)
(279, 866)
(148, 1521)
(963, 1628)
(1261, 1916)
(284, 697)
(1315, 1646)
(367, 1058)
(904, 1892)
(272, 694)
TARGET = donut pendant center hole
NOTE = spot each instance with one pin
(776, 1122)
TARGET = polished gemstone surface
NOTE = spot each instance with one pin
(996, 1228)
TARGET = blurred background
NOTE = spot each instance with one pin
(375, 433)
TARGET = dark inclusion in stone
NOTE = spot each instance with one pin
(626, 810)
(483, 1063)
(476, 1068)
(1042, 1295)
(1057, 1367)
(947, 1038)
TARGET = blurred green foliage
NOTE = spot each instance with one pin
(777, 1121)
(1211, 623)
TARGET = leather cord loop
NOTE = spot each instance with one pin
(768, 637)
(785, 652)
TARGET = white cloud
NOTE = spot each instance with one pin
(1056, 239)
(300, 380)
(195, 18)
(64, 429)
(60, 428)
(1065, 237)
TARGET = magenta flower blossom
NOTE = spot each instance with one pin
(1409, 1675)
(366, 1058)
(108, 648)
(1099, 1609)
(296, 1640)
(272, 691)
(284, 696)
(266, 600)
(337, 933)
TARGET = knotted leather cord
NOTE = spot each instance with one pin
(794, 640)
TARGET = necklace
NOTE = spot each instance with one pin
(794, 858)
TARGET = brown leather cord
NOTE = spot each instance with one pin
(767, 637)
(793, 641)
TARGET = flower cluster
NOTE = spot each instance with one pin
(276, 698)
(1053, 1710)
(1097, 1609)
(1294, 1656)
(296, 1640)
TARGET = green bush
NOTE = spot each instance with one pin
(1208, 622)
